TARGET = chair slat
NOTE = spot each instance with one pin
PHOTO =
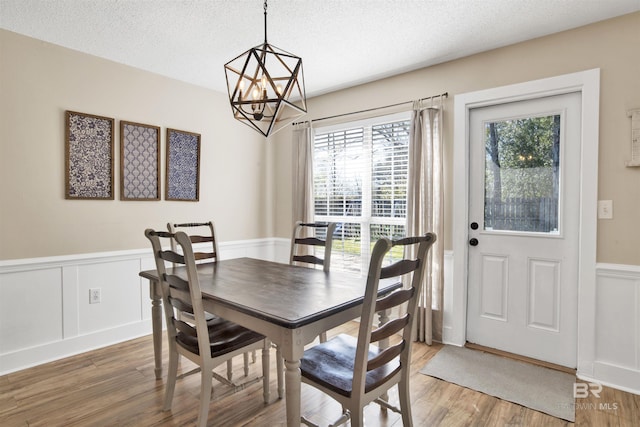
(309, 259)
(386, 356)
(176, 282)
(200, 239)
(399, 268)
(313, 241)
(192, 224)
(172, 256)
(394, 299)
(315, 224)
(181, 305)
(204, 255)
(389, 328)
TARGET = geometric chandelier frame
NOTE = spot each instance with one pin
(266, 86)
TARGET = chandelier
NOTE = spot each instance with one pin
(266, 86)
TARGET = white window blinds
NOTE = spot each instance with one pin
(360, 182)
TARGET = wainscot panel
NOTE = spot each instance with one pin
(45, 309)
(617, 334)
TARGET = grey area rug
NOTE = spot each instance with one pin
(542, 389)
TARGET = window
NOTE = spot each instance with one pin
(360, 182)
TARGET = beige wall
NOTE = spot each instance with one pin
(611, 45)
(245, 181)
(39, 81)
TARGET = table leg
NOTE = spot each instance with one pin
(293, 387)
(156, 324)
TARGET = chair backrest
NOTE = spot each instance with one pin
(198, 232)
(301, 239)
(397, 356)
(180, 294)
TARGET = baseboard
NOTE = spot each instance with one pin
(38, 355)
(615, 377)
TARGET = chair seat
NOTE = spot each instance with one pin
(224, 337)
(331, 364)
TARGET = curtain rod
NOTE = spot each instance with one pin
(442, 95)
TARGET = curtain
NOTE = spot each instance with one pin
(303, 136)
(425, 209)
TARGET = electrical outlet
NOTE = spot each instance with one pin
(605, 209)
(94, 296)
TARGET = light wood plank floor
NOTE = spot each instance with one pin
(115, 386)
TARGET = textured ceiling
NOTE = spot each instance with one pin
(342, 42)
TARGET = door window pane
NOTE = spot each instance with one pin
(522, 170)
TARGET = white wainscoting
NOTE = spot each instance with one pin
(616, 353)
(44, 302)
(45, 312)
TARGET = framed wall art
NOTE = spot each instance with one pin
(139, 161)
(183, 166)
(89, 155)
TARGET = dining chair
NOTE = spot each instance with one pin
(207, 343)
(355, 371)
(302, 243)
(199, 233)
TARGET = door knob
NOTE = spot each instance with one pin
(474, 225)
(473, 242)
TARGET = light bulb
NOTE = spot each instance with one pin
(240, 89)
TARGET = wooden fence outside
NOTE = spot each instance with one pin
(538, 214)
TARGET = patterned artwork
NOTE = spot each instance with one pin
(183, 165)
(89, 156)
(139, 161)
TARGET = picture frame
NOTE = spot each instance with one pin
(182, 166)
(139, 161)
(89, 156)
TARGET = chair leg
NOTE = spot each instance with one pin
(205, 395)
(266, 353)
(229, 369)
(405, 402)
(280, 372)
(245, 358)
(357, 418)
(172, 374)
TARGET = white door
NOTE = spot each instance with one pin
(524, 206)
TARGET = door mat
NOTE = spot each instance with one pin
(535, 387)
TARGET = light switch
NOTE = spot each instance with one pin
(605, 209)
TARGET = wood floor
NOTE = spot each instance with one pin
(115, 386)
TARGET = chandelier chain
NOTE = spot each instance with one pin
(265, 21)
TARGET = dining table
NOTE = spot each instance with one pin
(291, 305)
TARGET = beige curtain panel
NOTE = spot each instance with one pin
(303, 136)
(425, 210)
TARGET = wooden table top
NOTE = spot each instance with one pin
(285, 295)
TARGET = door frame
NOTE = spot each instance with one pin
(588, 83)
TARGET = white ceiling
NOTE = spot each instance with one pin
(342, 42)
